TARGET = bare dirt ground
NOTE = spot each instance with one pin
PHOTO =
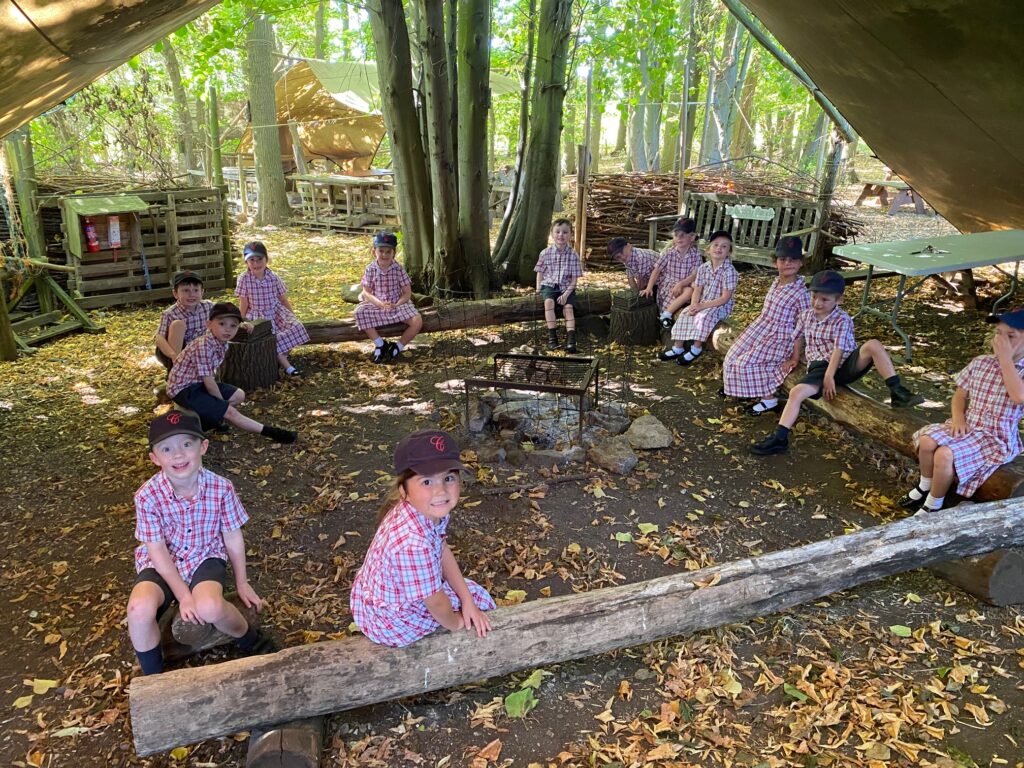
(827, 684)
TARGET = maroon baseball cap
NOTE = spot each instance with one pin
(427, 452)
(174, 423)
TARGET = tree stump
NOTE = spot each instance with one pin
(996, 578)
(251, 362)
(292, 745)
(634, 319)
(180, 639)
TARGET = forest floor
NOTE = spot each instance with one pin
(826, 684)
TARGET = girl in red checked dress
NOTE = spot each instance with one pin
(757, 362)
(409, 584)
(714, 290)
(983, 433)
(261, 294)
(386, 299)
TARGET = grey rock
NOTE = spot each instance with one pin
(547, 458)
(614, 455)
(648, 433)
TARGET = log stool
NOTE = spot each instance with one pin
(251, 362)
(634, 319)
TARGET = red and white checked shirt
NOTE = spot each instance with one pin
(199, 359)
(191, 529)
(675, 266)
(385, 284)
(558, 266)
(264, 295)
(640, 265)
(822, 336)
(195, 320)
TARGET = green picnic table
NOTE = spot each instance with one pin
(925, 257)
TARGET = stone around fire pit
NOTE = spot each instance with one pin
(648, 433)
(614, 455)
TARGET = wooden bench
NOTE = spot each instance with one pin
(756, 222)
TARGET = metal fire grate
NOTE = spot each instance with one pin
(539, 373)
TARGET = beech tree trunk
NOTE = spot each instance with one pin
(177, 707)
(266, 141)
(623, 130)
(531, 220)
(463, 314)
(320, 31)
(186, 127)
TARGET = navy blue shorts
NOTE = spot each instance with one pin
(553, 292)
(210, 409)
(211, 569)
(846, 373)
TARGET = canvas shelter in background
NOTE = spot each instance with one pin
(336, 107)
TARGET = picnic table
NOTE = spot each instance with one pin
(880, 188)
(927, 257)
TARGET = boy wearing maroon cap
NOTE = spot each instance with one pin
(189, 523)
(639, 262)
(410, 584)
(833, 359)
(185, 321)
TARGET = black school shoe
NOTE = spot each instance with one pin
(906, 501)
(667, 322)
(382, 354)
(770, 446)
(901, 397)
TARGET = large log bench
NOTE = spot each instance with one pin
(996, 577)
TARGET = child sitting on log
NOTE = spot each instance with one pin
(386, 299)
(262, 294)
(983, 432)
(185, 321)
(674, 272)
(639, 262)
(558, 268)
(833, 359)
(192, 383)
(714, 289)
(189, 522)
(409, 583)
(755, 365)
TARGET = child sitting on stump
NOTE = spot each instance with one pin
(185, 321)
(558, 268)
(983, 431)
(409, 583)
(189, 522)
(386, 299)
(192, 383)
(833, 359)
(674, 272)
(639, 262)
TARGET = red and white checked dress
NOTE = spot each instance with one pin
(640, 265)
(265, 303)
(558, 266)
(199, 359)
(753, 365)
(993, 419)
(674, 266)
(822, 336)
(715, 282)
(401, 569)
(195, 320)
(191, 529)
(386, 285)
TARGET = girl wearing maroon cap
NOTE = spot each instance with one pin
(409, 584)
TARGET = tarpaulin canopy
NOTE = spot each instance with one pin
(933, 86)
(50, 49)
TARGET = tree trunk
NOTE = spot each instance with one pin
(447, 256)
(638, 125)
(735, 94)
(721, 92)
(182, 116)
(569, 140)
(623, 131)
(465, 314)
(177, 707)
(266, 140)
(451, 28)
(474, 66)
(742, 137)
(524, 124)
(394, 71)
(346, 45)
(320, 31)
(653, 129)
(251, 362)
(528, 231)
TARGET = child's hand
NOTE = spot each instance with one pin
(646, 292)
(249, 597)
(1001, 346)
(828, 387)
(676, 290)
(187, 610)
(246, 326)
(693, 309)
(958, 424)
(563, 298)
(474, 618)
(788, 366)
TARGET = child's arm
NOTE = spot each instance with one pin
(695, 306)
(651, 282)
(284, 301)
(163, 345)
(234, 543)
(723, 299)
(1011, 376)
(472, 616)
(163, 564)
(794, 360)
(958, 422)
(540, 277)
(211, 386)
(243, 305)
(828, 384)
(406, 296)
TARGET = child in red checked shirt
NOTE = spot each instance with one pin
(558, 268)
(189, 521)
(409, 584)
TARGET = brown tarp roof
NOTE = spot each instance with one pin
(935, 87)
(50, 49)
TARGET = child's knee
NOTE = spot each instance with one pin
(237, 397)
(142, 608)
(802, 391)
(416, 323)
(210, 608)
(944, 457)
(568, 311)
(926, 445)
(549, 303)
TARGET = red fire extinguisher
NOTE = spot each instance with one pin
(92, 243)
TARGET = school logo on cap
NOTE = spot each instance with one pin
(438, 442)
(174, 417)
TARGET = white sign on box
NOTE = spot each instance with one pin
(114, 231)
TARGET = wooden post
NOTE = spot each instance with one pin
(22, 168)
(8, 349)
(684, 111)
(297, 153)
(213, 127)
(251, 362)
(816, 258)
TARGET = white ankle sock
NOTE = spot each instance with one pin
(933, 502)
(664, 315)
(400, 345)
(378, 342)
(678, 350)
(769, 402)
(924, 483)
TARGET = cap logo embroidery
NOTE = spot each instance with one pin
(438, 442)
(174, 417)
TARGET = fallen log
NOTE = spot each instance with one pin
(457, 315)
(188, 705)
(890, 426)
